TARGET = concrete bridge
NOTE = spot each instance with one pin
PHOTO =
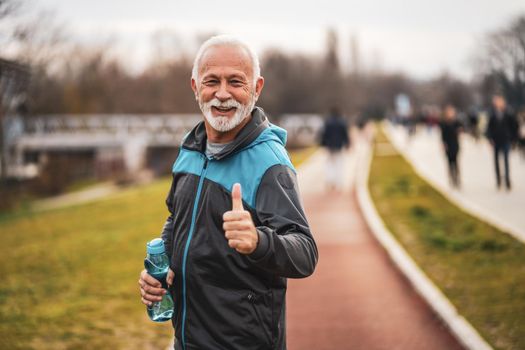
(118, 142)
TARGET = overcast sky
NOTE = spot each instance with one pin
(422, 38)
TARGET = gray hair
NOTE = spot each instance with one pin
(226, 40)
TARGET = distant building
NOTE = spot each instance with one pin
(14, 82)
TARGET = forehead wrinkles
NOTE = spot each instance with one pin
(225, 58)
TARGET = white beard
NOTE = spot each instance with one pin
(223, 123)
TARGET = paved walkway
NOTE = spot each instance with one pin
(478, 193)
(356, 299)
(92, 193)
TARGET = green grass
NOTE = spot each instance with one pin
(81, 185)
(478, 267)
(69, 276)
(298, 156)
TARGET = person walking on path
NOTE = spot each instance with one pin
(232, 252)
(450, 128)
(334, 137)
(502, 132)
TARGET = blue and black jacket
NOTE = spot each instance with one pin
(223, 299)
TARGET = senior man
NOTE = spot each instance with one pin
(236, 229)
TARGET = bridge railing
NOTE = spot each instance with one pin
(302, 128)
(110, 123)
(131, 134)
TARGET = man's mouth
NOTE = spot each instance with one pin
(223, 109)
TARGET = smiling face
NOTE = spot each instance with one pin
(226, 91)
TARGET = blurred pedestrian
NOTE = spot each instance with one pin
(450, 129)
(502, 132)
(473, 122)
(335, 139)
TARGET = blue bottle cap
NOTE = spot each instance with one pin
(155, 246)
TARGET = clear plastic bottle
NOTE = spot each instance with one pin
(157, 265)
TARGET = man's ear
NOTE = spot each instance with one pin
(194, 88)
(259, 84)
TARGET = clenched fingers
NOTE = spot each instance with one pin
(148, 279)
(242, 247)
(239, 235)
(234, 243)
(237, 225)
(235, 215)
(150, 292)
(149, 289)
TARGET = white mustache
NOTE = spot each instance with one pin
(225, 104)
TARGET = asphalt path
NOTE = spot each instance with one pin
(356, 298)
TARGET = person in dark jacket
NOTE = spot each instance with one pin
(450, 128)
(236, 229)
(334, 137)
(502, 132)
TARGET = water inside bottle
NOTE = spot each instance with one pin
(157, 266)
(155, 311)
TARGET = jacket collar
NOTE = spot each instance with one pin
(196, 138)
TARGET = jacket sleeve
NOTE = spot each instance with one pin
(442, 131)
(514, 128)
(322, 136)
(286, 246)
(167, 229)
(346, 137)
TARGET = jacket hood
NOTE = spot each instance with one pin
(256, 131)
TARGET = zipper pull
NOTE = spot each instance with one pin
(251, 297)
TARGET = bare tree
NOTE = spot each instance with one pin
(502, 60)
(8, 7)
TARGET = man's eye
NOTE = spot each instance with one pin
(210, 82)
(236, 82)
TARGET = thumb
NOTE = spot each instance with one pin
(169, 278)
(237, 197)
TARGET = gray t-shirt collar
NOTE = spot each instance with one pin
(215, 148)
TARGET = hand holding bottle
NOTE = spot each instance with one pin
(154, 282)
(151, 289)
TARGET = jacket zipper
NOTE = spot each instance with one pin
(186, 248)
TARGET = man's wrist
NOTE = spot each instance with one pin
(262, 246)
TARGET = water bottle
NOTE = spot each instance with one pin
(157, 265)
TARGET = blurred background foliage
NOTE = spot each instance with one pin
(69, 76)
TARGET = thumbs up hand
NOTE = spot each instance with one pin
(238, 225)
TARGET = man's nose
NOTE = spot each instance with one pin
(222, 93)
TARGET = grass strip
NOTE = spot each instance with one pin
(299, 155)
(479, 268)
